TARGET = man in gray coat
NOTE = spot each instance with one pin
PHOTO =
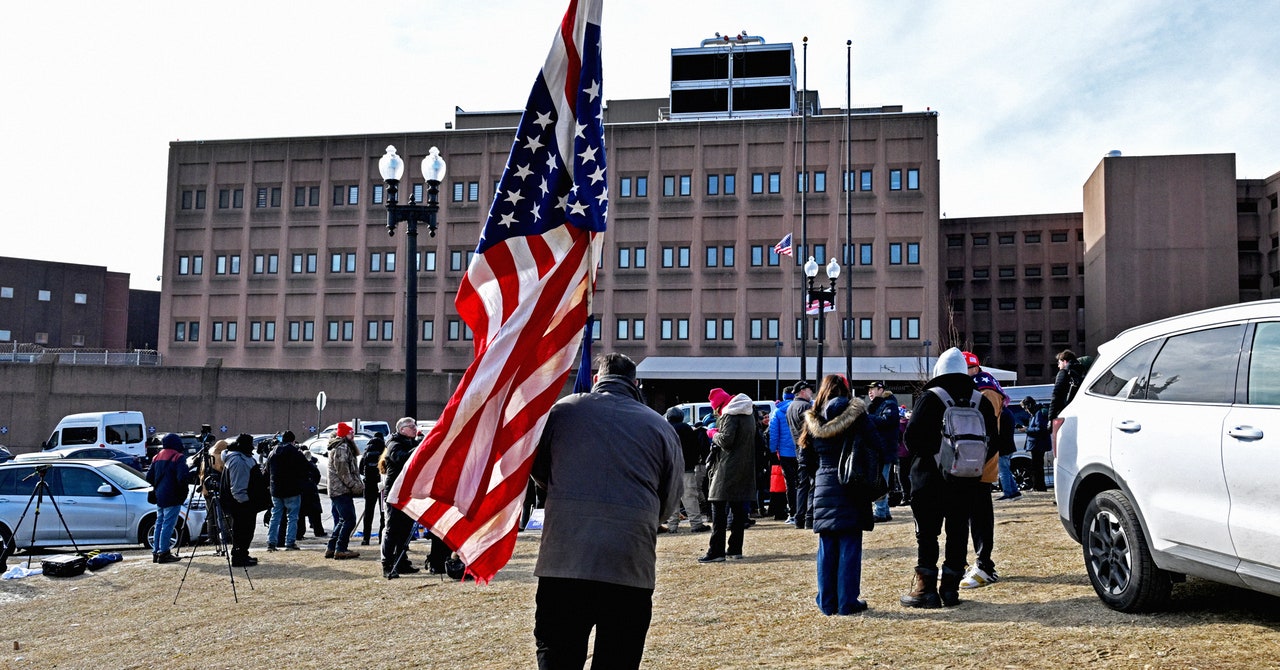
(611, 467)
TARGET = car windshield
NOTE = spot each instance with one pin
(124, 476)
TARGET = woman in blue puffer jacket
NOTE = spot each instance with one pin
(838, 518)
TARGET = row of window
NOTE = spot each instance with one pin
(627, 328)
(900, 253)
(44, 295)
(1030, 237)
(629, 186)
(6, 335)
(1010, 337)
(1008, 304)
(1011, 271)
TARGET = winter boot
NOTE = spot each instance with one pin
(949, 589)
(924, 590)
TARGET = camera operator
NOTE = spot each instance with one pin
(209, 468)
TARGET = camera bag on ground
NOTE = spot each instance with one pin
(63, 565)
(963, 451)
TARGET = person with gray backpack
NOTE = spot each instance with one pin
(947, 437)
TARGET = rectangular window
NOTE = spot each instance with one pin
(455, 330)
(295, 331)
(237, 199)
(757, 255)
(624, 329)
(668, 185)
(308, 331)
(819, 254)
(428, 330)
(726, 329)
(335, 331)
(864, 183)
(255, 331)
(335, 262)
(1007, 304)
(193, 331)
(1059, 302)
(624, 187)
(866, 254)
(473, 191)
(299, 196)
(682, 257)
(351, 262)
(864, 329)
(353, 195)
(775, 182)
(313, 196)
(388, 330)
(624, 257)
(637, 329)
(980, 240)
(269, 331)
(726, 256)
(713, 184)
(220, 265)
(895, 180)
(913, 328)
(640, 256)
(186, 199)
(417, 193)
(913, 253)
(682, 329)
(458, 190)
(820, 182)
(1058, 271)
(197, 265)
(981, 305)
(913, 179)
(375, 262)
(642, 187)
(1032, 271)
(756, 331)
(1006, 238)
(348, 331)
(43, 295)
(297, 263)
(713, 255)
(180, 331)
(665, 329)
(200, 198)
(262, 198)
(686, 185)
(224, 198)
(668, 257)
(895, 253)
(259, 264)
(800, 188)
(757, 182)
(895, 329)
(1031, 238)
(234, 267)
(455, 260)
(1058, 236)
(1007, 272)
(711, 329)
(378, 193)
(729, 186)
(1033, 303)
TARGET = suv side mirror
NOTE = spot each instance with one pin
(107, 490)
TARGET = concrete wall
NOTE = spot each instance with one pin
(33, 397)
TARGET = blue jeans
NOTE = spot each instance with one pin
(1008, 484)
(839, 571)
(284, 507)
(166, 520)
(882, 505)
(344, 515)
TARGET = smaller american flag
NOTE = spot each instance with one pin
(783, 247)
(813, 307)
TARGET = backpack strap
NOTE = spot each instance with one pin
(943, 396)
(975, 400)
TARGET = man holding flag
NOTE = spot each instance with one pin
(612, 467)
(526, 295)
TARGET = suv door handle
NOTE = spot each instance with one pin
(1129, 426)
(1245, 433)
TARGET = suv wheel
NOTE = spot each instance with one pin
(147, 533)
(1021, 469)
(1117, 557)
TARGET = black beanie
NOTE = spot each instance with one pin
(288, 437)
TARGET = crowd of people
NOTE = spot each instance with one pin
(612, 475)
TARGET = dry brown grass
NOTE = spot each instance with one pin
(304, 611)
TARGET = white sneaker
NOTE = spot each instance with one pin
(977, 578)
(791, 520)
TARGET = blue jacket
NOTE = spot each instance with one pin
(170, 476)
(884, 415)
(780, 440)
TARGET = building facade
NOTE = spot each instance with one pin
(62, 305)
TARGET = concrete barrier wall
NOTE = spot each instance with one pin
(33, 397)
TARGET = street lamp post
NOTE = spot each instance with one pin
(822, 296)
(391, 167)
(928, 353)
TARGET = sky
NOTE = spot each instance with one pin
(1030, 95)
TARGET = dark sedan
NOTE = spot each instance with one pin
(88, 452)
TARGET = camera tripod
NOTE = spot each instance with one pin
(37, 496)
(218, 530)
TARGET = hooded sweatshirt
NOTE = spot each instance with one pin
(924, 430)
(733, 477)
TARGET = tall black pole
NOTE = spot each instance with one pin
(847, 334)
(804, 222)
(411, 321)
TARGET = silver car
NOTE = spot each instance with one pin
(102, 502)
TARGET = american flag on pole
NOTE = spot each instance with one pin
(526, 296)
(812, 307)
(783, 247)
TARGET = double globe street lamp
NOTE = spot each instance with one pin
(391, 167)
(822, 296)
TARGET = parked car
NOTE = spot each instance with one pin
(5, 454)
(1020, 461)
(362, 425)
(1167, 457)
(190, 443)
(123, 430)
(319, 447)
(103, 502)
(86, 452)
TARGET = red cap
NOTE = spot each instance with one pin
(718, 398)
(343, 430)
(971, 360)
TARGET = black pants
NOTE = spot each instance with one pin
(311, 512)
(720, 512)
(804, 491)
(567, 610)
(242, 521)
(372, 505)
(982, 524)
(395, 539)
(1037, 470)
(934, 507)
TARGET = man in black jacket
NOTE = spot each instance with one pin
(806, 460)
(935, 498)
(395, 537)
(288, 471)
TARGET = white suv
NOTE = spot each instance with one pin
(1167, 457)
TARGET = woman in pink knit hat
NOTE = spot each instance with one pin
(732, 473)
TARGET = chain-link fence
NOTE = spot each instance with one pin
(35, 353)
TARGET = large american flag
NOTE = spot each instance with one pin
(526, 296)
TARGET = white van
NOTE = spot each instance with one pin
(700, 412)
(123, 430)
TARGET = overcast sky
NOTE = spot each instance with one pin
(1030, 95)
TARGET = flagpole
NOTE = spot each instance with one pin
(804, 203)
(847, 334)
